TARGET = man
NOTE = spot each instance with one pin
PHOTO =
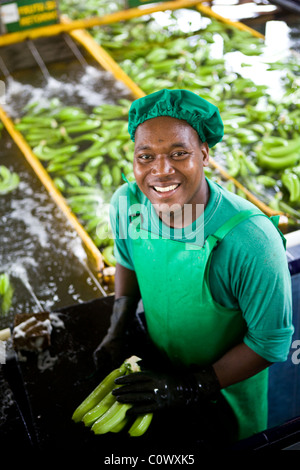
(209, 266)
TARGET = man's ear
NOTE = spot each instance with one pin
(205, 153)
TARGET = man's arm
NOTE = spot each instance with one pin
(238, 364)
(126, 284)
(112, 347)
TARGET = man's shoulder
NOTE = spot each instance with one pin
(127, 194)
(255, 228)
(121, 191)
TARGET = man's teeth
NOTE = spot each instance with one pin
(165, 189)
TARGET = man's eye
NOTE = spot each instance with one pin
(179, 154)
(144, 157)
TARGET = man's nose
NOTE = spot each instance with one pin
(162, 166)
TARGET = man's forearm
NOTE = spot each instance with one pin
(125, 283)
(238, 364)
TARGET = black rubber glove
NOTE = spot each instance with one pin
(151, 391)
(112, 349)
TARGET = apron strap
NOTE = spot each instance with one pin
(222, 231)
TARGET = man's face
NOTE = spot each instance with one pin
(168, 164)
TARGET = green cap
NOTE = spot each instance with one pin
(203, 116)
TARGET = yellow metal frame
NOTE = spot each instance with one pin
(65, 27)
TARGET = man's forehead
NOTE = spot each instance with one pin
(163, 127)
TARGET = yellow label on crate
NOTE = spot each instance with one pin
(25, 14)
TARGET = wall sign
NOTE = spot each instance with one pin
(25, 14)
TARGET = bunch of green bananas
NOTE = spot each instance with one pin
(86, 155)
(6, 293)
(103, 413)
(9, 180)
(279, 153)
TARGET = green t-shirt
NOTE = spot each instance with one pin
(248, 271)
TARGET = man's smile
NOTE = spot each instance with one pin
(165, 189)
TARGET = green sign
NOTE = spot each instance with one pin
(26, 14)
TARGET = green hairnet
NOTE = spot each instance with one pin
(203, 116)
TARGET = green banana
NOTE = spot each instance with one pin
(249, 164)
(102, 407)
(74, 127)
(71, 113)
(98, 393)
(140, 425)
(106, 177)
(44, 152)
(59, 183)
(4, 283)
(6, 293)
(8, 180)
(93, 224)
(108, 111)
(157, 55)
(278, 163)
(114, 149)
(7, 300)
(120, 426)
(94, 162)
(86, 177)
(90, 137)
(116, 174)
(84, 198)
(108, 255)
(232, 164)
(82, 190)
(73, 180)
(284, 207)
(292, 182)
(283, 150)
(55, 167)
(114, 416)
(38, 121)
(266, 181)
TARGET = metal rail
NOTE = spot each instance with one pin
(123, 15)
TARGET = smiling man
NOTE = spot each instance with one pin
(210, 268)
(168, 167)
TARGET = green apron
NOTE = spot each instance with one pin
(183, 319)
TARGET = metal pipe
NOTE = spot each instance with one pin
(4, 69)
(38, 59)
(106, 61)
(69, 41)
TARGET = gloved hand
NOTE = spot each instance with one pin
(111, 350)
(151, 391)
